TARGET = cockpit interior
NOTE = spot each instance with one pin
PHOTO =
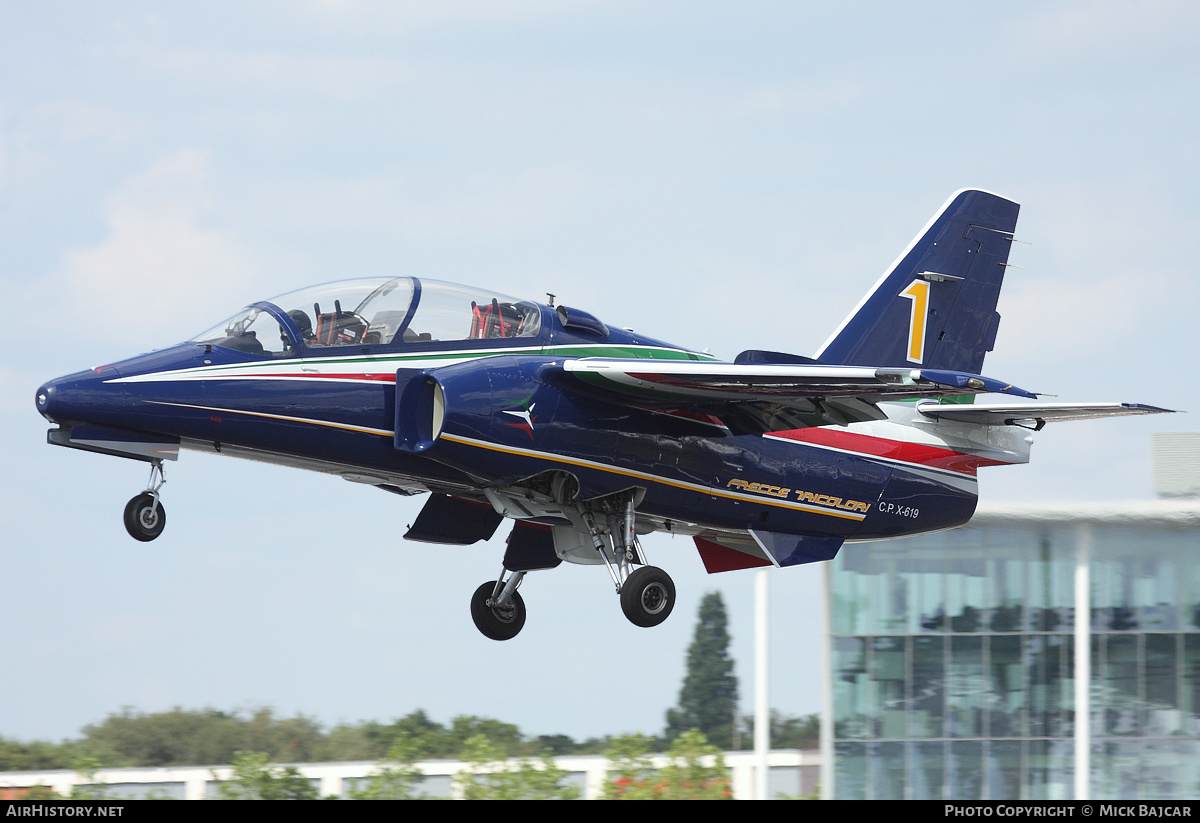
(383, 312)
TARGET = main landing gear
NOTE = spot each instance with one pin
(145, 517)
(647, 593)
(647, 596)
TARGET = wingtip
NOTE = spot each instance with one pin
(1145, 408)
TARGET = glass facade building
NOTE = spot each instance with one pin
(1038, 654)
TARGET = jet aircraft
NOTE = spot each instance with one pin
(588, 436)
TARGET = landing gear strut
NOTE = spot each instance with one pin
(648, 593)
(145, 517)
(497, 607)
(601, 530)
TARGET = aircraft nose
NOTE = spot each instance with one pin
(80, 397)
(44, 400)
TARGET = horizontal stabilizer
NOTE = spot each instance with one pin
(1032, 415)
(454, 521)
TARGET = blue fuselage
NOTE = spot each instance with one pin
(509, 414)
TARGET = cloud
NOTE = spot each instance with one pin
(1073, 320)
(160, 273)
(15, 390)
(36, 141)
(360, 73)
(352, 77)
(1104, 271)
(520, 202)
(68, 121)
(801, 98)
(1108, 28)
(421, 14)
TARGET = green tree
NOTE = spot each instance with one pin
(28, 757)
(631, 775)
(397, 777)
(689, 775)
(788, 731)
(370, 741)
(505, 736)
(491, 777)
(708, 698)
(255, 779)
(296, 739)
(696, 770)
(188, 737)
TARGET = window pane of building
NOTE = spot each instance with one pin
(959, 665)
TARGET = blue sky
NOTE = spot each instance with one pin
(723, 176)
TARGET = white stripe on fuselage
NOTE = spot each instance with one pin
(386, 364)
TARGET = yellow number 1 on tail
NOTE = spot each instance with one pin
(918, 293)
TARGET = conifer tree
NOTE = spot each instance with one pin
(708, 698)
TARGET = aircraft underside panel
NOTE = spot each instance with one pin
(760, 548)
(530, 548)
(116, 442)
(775, 488)
(796, 549)
(454, 521)
(726, 555)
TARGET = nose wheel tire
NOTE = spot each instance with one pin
(143, 520)
(502, 623)
(647, 596)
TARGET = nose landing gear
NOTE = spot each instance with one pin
(145, 517)
(497, 608)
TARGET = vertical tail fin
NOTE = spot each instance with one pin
(936, 305)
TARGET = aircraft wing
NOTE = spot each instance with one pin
(1032, 415)
(690, 382)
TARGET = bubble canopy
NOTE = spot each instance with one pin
(387, 312)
